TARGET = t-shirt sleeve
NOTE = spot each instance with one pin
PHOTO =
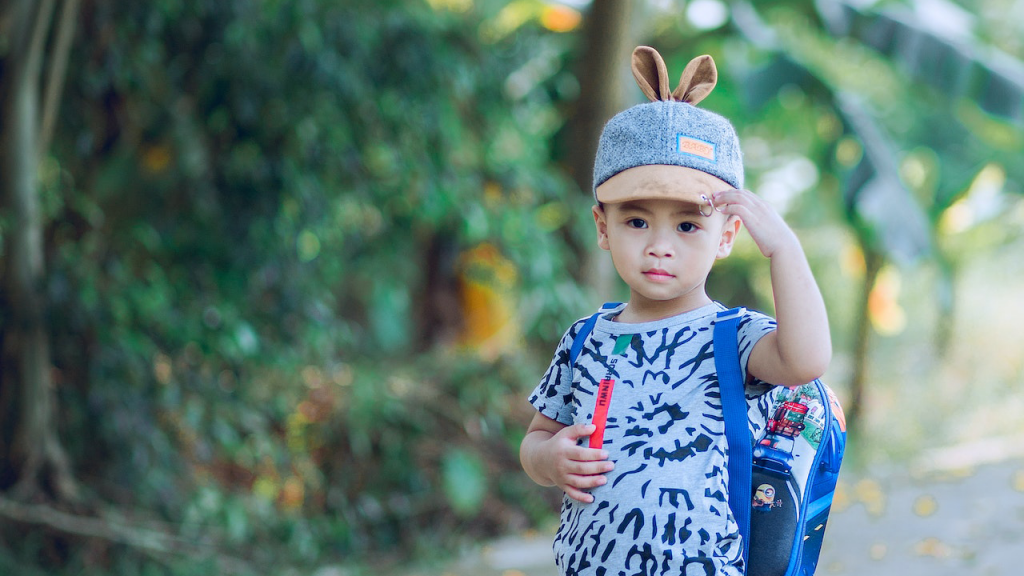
(753, 326)
(553, 396)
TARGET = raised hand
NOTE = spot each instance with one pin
(800, 349)
(767, 228)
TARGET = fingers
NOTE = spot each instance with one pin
(578, 495)
(580, 473)
(585, 454)
(582, 468)
(576, 467)
(573, 467)
(729, 201)
(577, 431)
(766, 226)
(582, 482)
(732, 195)
(577, 452)
(576, 486)
(751, 208)
(725, 197)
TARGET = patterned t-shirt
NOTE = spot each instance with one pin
(664, 509)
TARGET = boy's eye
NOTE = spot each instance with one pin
(637, 223)
(687, 227)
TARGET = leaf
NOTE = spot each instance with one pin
(876, 193)
(465, 484)
(236, 520)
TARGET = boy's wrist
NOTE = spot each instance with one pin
(785, 243)
(533, 457)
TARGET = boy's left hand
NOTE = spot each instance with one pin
(767, 228)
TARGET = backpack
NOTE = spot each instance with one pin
(781, 483)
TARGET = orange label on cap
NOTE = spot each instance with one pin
(695, 147)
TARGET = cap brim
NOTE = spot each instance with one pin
(660, 182)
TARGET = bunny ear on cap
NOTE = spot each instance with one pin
(698, 79)
(651, 73)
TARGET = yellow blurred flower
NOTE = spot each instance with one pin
(884, 310)
(852, 261)
(925, 505)
(933, 547)
(292, 494)
(558, 18)
(156, 159)
(487, 298)
(869, 492)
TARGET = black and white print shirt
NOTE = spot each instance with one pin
(664, 509)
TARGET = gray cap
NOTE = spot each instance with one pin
(668, 148)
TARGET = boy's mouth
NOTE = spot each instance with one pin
(658, 274)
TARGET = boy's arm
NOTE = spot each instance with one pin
(800, 349)
(551, 457)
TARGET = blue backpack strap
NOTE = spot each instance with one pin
(734, 408)
(581, 337)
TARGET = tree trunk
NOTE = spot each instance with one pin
(603, 75)
(873, 265)
(35, 453)
(945, 295)
(603, 68)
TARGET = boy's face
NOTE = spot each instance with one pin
(664, 250)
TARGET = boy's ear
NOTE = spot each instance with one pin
(730, 231)
(602, 227)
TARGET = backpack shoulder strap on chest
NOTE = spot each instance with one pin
(581, 337)
(734, 408)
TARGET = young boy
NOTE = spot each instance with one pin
(653, 499)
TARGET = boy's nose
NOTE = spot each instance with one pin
(660, 247)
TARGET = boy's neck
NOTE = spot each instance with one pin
(641, 309)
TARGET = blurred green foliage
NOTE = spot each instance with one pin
(257, 212)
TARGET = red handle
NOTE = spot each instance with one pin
(604, 399)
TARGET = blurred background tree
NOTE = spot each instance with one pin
(294, 266)
(28, 105)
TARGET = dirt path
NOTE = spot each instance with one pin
(952, 512)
